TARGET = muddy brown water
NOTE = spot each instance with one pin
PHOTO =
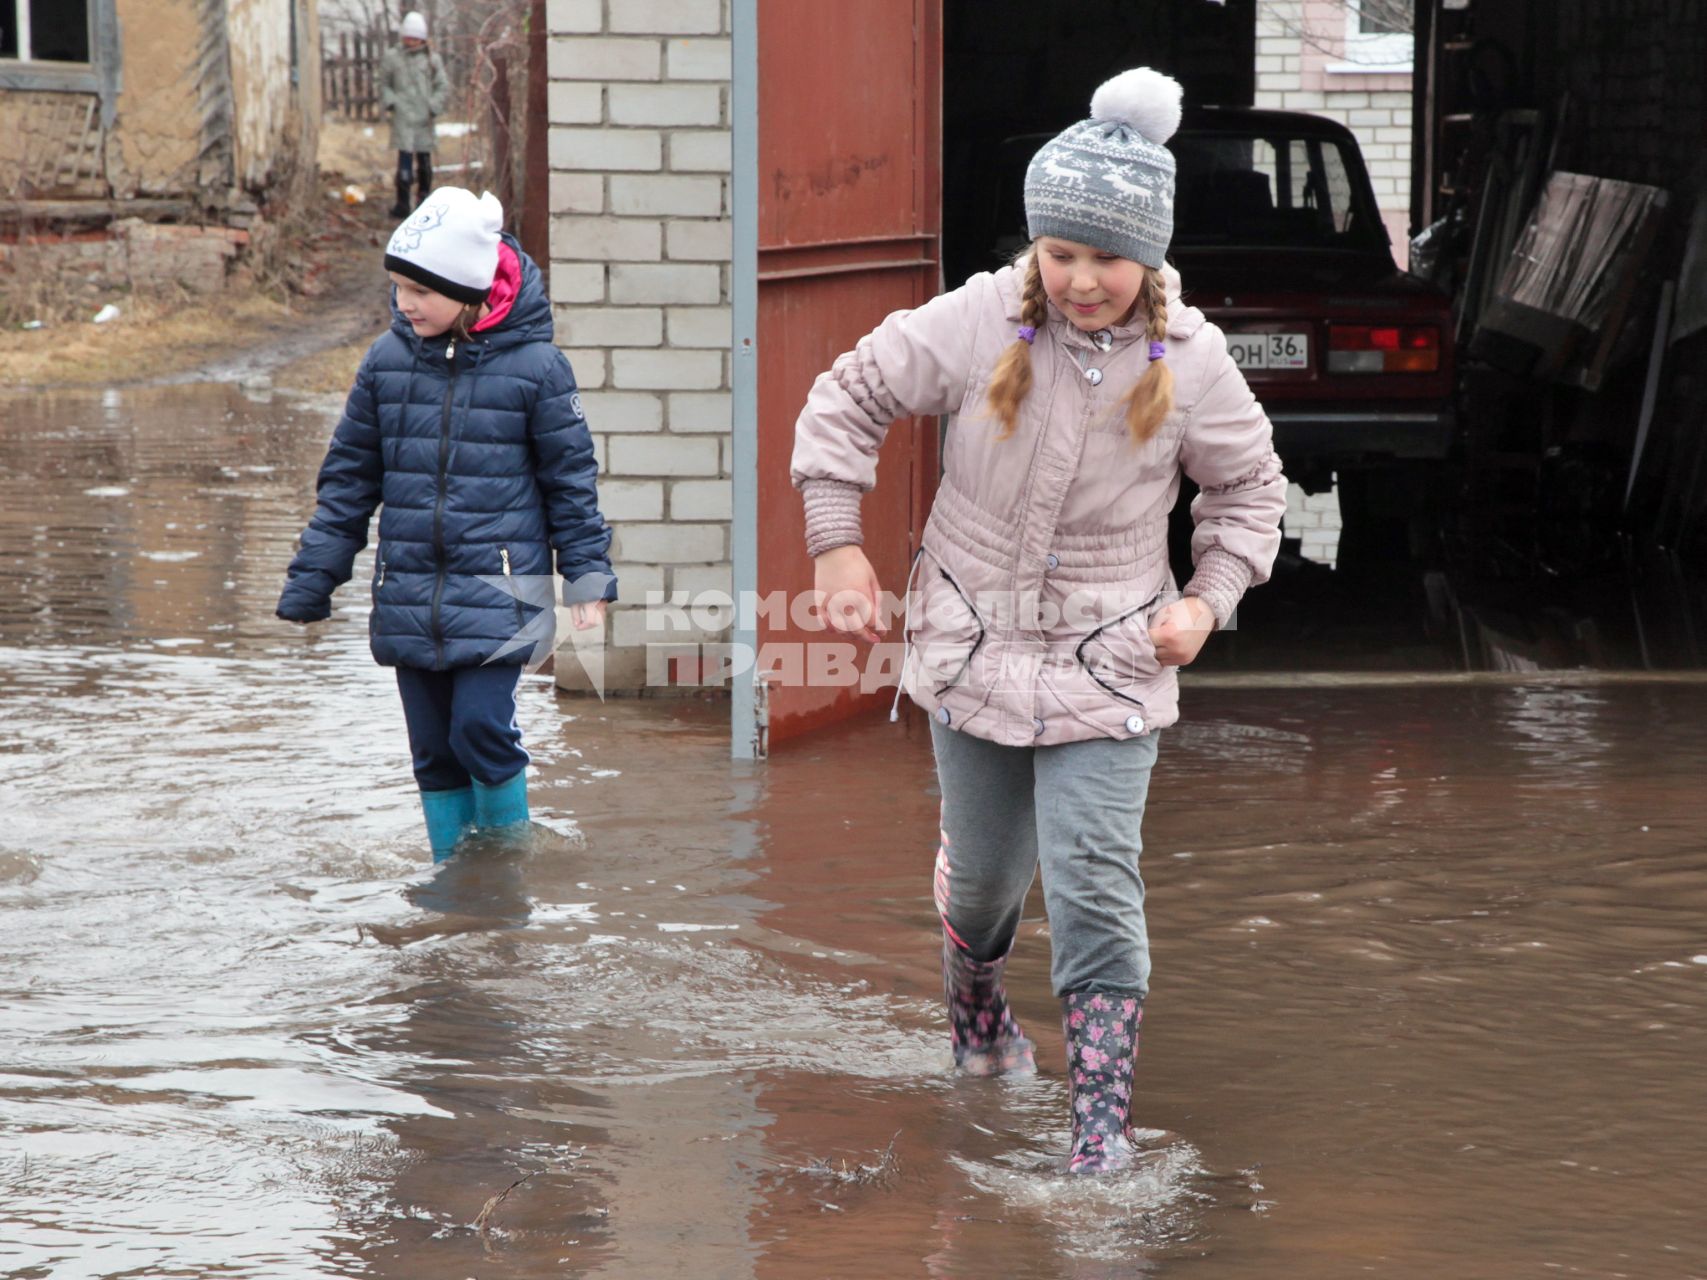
(1431, 962)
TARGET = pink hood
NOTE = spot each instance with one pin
(505, 286)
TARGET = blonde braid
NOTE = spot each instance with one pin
(1011, 381)
(1152, 400)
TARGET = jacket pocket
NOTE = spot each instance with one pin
(1120, 655)
(947, 634)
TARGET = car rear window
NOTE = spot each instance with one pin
(1271, 191)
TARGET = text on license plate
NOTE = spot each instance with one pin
(1269, 350)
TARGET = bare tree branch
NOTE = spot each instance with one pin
(1329, 35)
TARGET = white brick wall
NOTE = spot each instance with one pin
(662, 455)
(697, 60)
(702, 413)
(666, 16)
(624, 411)
(666, 370)
(690, 195)
(1293, 35)
(680, 104)
(672, 543)
(624, 500)
(700, 500)
(574, 15)
(593, 326)
(679, 282)
(640, 242)
(692, 241)
(1314, 519)
(699, 326)
(710, 150)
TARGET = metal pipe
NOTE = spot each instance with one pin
(747, 738)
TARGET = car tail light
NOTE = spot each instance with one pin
(1360, 348)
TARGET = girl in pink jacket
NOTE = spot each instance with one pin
(1046, 631)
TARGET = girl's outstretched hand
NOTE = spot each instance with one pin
(846, 593)
(1180, 630)
(588, 615)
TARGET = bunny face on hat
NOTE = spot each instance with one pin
(444, 256)
(450, 243)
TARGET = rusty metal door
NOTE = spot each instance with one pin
(849, 216)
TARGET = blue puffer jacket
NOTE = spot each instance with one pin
(484, 465)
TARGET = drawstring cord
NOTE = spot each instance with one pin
(906, 635)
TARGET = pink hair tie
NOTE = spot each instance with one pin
(1157, 351)
(1028, 333)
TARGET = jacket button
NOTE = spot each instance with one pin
(1103, 338)
(942, 715)
(1037, 728)
(1134, 724)
(1094, 377)
(1052, 560)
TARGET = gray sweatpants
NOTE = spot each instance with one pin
(1076, 808)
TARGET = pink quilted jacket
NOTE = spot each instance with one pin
(1045, 557)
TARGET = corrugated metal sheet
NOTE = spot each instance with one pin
(849, 223)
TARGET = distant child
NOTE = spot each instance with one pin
(412, 90)
(1046, 631)
(465, 426)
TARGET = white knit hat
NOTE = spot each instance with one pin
(414, 26)
(450, 244)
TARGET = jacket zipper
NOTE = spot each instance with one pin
(504, 552)
(439, 508)
(1079, 653)
(381, 582)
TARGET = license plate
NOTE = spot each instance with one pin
(1269, 350)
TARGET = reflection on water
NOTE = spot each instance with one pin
(1392, 617)
(1431, 966)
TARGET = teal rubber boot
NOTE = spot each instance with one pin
(450, 816)
(505, 805)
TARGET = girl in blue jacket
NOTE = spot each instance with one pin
(465, 427)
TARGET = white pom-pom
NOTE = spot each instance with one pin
(1144, 100)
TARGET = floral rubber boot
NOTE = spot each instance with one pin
(987, 1040)
(1101, 1030)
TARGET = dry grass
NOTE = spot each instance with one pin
(153, 335)
(360, 153)
(31, 294)
(172, 331)
(324, 373)
(310, 278)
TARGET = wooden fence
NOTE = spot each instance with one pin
(349, 75)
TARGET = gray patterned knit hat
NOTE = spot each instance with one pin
(1108, 181)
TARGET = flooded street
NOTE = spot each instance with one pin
(1430, 992)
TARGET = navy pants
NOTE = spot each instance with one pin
(462, 725)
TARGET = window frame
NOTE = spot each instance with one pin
(1373, 53)
(1283, 147)
(94, 76)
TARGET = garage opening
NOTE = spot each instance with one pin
(1492, 473)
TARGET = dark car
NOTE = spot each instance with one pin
(1278, 240)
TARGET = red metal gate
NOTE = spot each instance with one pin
(850, 111)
